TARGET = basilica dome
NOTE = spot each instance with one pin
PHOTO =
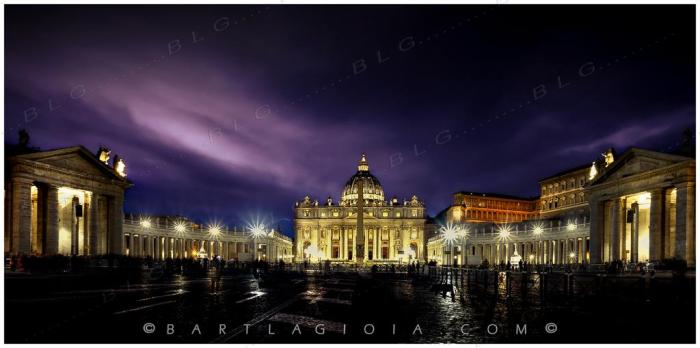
(371, 188)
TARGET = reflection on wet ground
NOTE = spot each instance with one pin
(341, 308)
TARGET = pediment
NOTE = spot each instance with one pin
(75, 159)
(74, 162)
(637, 161)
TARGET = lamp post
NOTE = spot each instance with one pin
(256, 231)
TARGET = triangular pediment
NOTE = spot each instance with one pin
(76, 159)
(636, 161)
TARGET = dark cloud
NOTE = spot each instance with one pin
(246, 120)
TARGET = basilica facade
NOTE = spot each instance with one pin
(361, 227)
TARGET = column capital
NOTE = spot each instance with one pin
(657, 190)
(21, 180)
(684, 185)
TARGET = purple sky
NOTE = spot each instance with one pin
(249, 119)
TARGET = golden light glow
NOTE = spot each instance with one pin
(145, 222)
(363, 166)
(104, 155)
(180, 227)
(120, 167)
(504, 232)
(451, 233)
(609, 157)
(644, 198)
(572, 255)
(538, 228)
(257, 230)
(570, 226)
(593, 172)
(312, 251)
(457, 214)
(214, 230)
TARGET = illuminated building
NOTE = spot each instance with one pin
(385, 231)
(162, 237)
(66, 201)
(563, 194)
(491, 207)
(635, 208)
(70, 202)
(643, 208)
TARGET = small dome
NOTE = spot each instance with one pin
(371, 188)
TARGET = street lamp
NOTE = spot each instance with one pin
(504, 232)
(145, 222)
(180, 227)
(257, 231)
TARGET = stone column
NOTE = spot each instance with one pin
(51, 220)
(116, 221)
(615, 229)
(341, 241)
(131, 244)
(152, 247)
(543, 251)
(656, 225)
(148, 245)
(635, 234)
(553, 251)
(391, 245)
(669, 223)
(685, 222)
(579, 256)
(155, 247)
(596, 240)
(550, 251)
(93, 243)
(159, 247)
(21, 216)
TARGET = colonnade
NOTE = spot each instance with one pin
(160, 247)
(555, 251)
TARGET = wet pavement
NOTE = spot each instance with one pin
(340, 308)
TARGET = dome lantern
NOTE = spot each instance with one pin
(371, 188)
(363, 166)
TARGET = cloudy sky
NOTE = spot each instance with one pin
(229, 112)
